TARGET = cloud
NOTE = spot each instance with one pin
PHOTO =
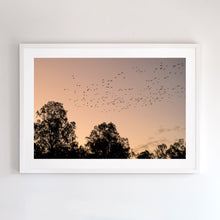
(151, 145)
(176, 128)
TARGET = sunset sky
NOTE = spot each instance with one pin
(143, 97)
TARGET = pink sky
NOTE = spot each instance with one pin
(144, 98)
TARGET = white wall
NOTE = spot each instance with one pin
(106, 197)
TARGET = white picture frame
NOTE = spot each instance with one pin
(30, 51)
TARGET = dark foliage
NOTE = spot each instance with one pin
(54, 136)
(160, 152)
(177, 150)
(145, 155)
(105, 142)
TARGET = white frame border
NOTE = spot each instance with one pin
(28, 165)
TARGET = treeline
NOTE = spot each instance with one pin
(54, 137)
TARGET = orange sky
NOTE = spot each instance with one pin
(144, 97)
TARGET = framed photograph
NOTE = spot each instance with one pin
(108, 108)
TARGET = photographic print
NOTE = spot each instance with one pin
(108, 108)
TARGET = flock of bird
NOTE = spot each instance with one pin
(129, 89)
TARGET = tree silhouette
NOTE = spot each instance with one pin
(145, 155)
(54, 136)
(105, 142)
(177, 150)
(160, 151)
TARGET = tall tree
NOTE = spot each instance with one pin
(54, 135)
(105, 142)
